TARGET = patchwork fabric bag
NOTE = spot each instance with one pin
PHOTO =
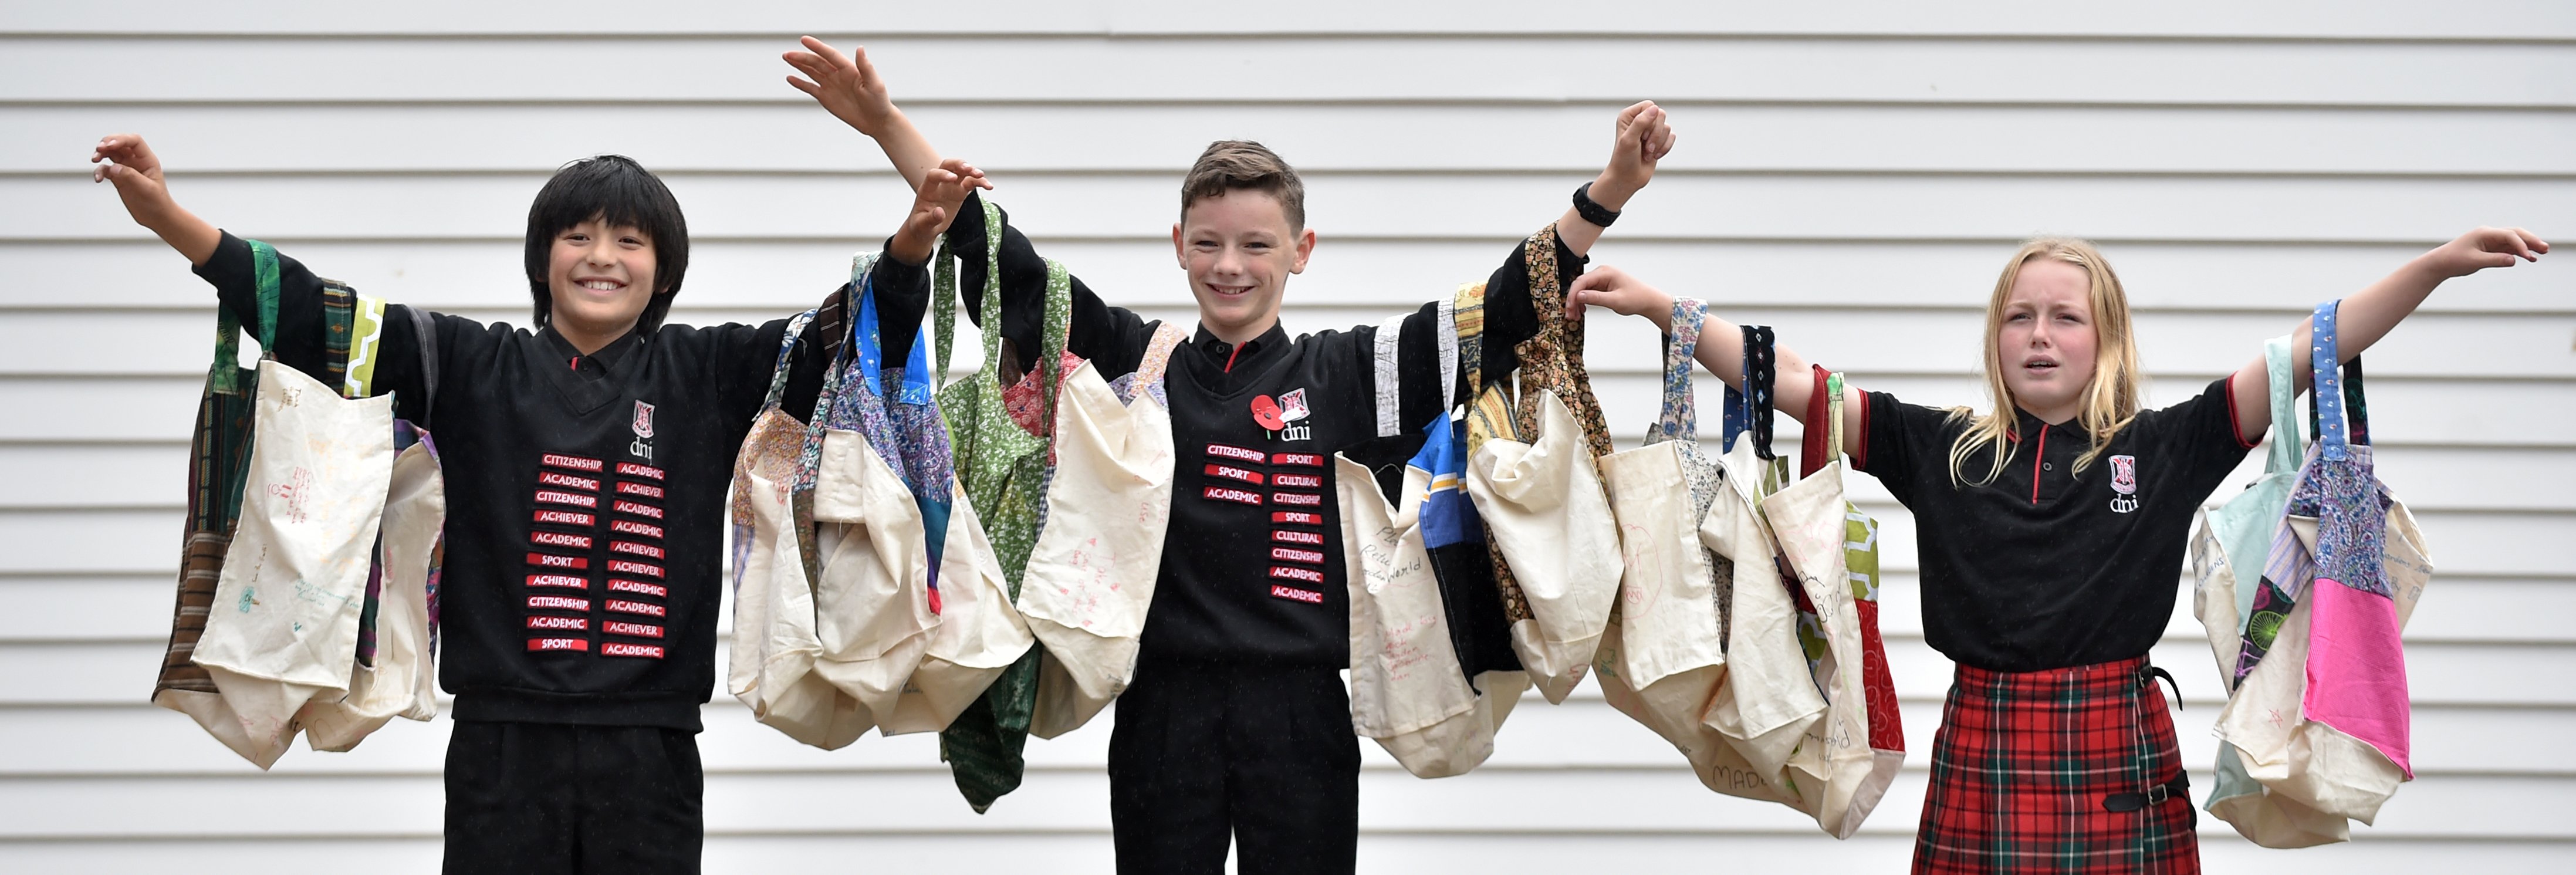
(1410, 691)
(888, 502)
(1821, 535)
(1090, 577)
(1533, 472)
(1002, 464)
(776, 564)
(1767, 704)
(2319, 716)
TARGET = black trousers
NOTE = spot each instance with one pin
(553, 798)
(1206, 751)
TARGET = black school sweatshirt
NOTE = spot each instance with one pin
(585, 493)
(1252, 564)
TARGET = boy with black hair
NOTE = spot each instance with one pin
(586, 463)
(1236, 724)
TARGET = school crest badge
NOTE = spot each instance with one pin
(1279, 415)
(2124, 482)
(643, 420)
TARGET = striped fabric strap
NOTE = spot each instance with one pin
(1446, 338)
(1390, 377)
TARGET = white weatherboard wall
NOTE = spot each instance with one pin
(1853, 176)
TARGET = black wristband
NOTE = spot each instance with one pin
(1592, 212)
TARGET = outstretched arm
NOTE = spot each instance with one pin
(848, 86)
(124, 159)
(2368, 315)
(1721, 345)
(1644, 135)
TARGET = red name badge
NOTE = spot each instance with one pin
(621, 648)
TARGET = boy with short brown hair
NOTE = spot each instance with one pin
(1236, 724)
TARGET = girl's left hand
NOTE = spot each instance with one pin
(2483, 248)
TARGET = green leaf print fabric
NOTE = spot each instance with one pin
(1003, 468)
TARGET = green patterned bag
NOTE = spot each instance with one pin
(1003, 467)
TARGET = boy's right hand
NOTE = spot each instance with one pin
(942, 192)
(847, 85)
(124, 159)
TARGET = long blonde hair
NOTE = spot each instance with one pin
(2110, 399)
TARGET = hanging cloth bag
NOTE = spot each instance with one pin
(1002, 463)
(1768, 702)
(2229, 549)
(2346, 567)
(283, 626)
(397, 667)
(1534, 475)
(775, 566)
(1409, 690)
(1090, 577)
(1663, 655)
(1819, 533)
(891, 527)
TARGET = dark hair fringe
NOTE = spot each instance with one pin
(1231, 165)
(614, 189)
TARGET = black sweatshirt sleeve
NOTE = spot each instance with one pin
(1112, 338)
(903, 290)
(299, 341)
(1510, 317)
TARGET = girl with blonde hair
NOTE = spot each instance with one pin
(2051, 531)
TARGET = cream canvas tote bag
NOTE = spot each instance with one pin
(1812, 524)
(1091, 575)
(404, 680)
(775, 643)
(283, 628)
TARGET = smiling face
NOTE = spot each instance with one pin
(601, 278)
(2046, 343)
(1239, 247)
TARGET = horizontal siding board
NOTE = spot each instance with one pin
(138, 740)
(2538, 413)
(1566, 137)
(172, 343)
(892, 803)
(2482, 674)
(1395, 68)
(2299, 19)
(816, 206)
(777, 276)
(87, 542)
(1379, 852)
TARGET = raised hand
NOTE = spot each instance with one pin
(1644, 136)
(846, 85)
(124, 159)
(127, 161)
(2483, 248)
(942, 191)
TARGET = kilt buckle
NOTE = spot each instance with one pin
(2157, 794)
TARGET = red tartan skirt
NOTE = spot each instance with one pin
(2028, 768)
